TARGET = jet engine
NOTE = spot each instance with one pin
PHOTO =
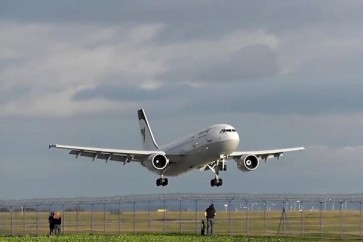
(159, 162)
(247, 163)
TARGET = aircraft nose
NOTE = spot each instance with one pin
(236, 136)
(236, 139)
(232, 142)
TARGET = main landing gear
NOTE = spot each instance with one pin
(215, 168)
(162, 181)
(216, 182)
(222, 166)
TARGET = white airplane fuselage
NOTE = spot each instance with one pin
(199, 149)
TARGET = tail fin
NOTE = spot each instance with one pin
(148, 140)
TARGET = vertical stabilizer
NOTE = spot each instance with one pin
(147, 136)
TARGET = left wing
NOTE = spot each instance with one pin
(124, 156)
(264, 154)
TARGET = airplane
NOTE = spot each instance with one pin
(208, 149)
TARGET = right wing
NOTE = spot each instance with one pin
(124, 156)
(259, 154)
(265, 154)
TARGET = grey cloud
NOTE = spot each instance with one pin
(334, 67)
(249, 63)
(276, 99)
(269, 97)
(8, 62)
(10, 94)
(129, 93)
(187, 20)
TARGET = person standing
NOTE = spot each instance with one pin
(51, 222)
(210, 213)
(57, 223)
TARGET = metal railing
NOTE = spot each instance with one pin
(325, 216)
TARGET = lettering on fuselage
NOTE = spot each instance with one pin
(203, 133)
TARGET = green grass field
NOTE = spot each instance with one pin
(256, 225)
(148, 237)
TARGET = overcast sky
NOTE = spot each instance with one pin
(283, 73)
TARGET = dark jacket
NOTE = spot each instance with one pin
(57, 220)
(210, 212)
(51, 221)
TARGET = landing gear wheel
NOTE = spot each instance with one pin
(220, 182)
(222, 167)
(216, 182)
(162, 181)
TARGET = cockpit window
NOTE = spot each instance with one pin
(227, 130)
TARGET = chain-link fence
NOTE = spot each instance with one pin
(326, 216)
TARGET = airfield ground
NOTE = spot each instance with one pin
(177, 226)
(153, 238)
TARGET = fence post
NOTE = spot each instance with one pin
(196, 216)
(283, 217)
(164, 226)
(180, 215)
(341, 220)
(264, 217)
(11, 220)
(24, 220)
(134, 216)
(119, 216)
(77, 207)
(302, 219)
(321, 219)
(37, 206)
(104, 218)
(247, 220)
(229, 216)
(64, 218)
(0, 221)
(360, 219)
(149, 216)
(92, 207)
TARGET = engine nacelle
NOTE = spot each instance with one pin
(159, 162)
(248, 163)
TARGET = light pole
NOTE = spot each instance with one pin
(298, 205)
